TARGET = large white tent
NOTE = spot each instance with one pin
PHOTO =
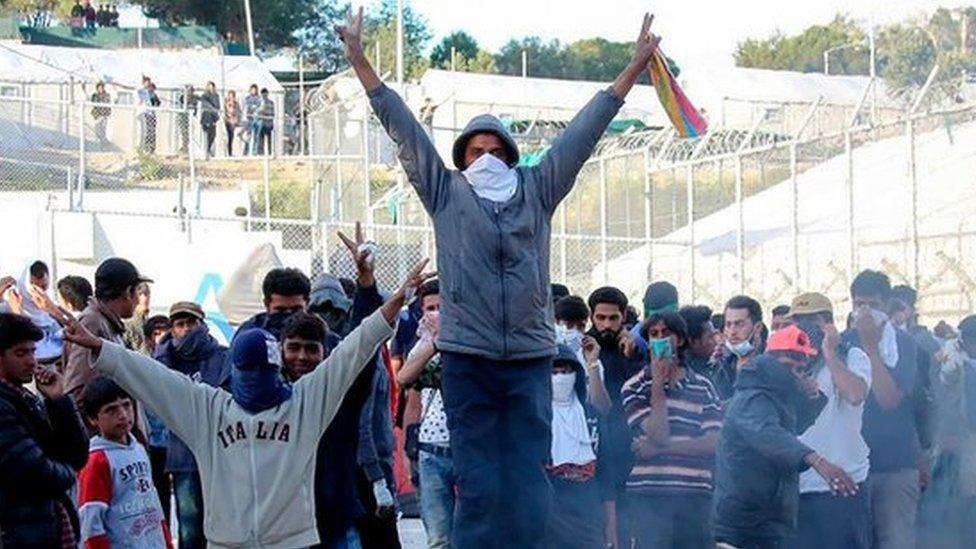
(30, 64)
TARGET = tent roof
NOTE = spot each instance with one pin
(168, 69)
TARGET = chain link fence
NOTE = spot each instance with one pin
(801, 201)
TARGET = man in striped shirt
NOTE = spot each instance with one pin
(675, 416)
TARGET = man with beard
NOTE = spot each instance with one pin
(843, 374)
(619, 363)
(191, 350)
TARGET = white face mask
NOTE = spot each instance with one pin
(569, 337)
(562, 387)
(739, 349)
(491, 178)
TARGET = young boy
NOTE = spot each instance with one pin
(255, 446)
(119, 503)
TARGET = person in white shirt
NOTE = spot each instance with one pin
(843, 374)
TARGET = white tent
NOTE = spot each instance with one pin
(30, 64)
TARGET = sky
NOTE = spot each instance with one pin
(693, 31)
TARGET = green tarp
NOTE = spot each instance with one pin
(117, 38)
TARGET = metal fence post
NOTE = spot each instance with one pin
(913, 185)
(795, 218)
(740, 243)
(562, 242)
(70, 189)
(366, 176)
(603, 219)
(648, 212)
(266, 164)
(81, 156)
(194, 184)
(849, 183)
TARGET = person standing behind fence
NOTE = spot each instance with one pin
(188, 103)
(91, 16)
(251, 105)
(266, 113)
(209, 115)
(77, 15)
(232, 119)
(145, 111)
(101, 114)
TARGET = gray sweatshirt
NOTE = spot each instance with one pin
(493, 258)
(257, 470)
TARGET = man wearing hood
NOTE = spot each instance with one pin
(191, 350)
(759, 458)
(492, 220)
(256, 445)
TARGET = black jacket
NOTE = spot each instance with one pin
(759, 458)
(42, 446)
(616, 436)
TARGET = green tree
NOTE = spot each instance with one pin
(464, 46)
(597, 59)
(318, 41)
(544, 59)
(275, 21)
(804, 52)
(380, 28)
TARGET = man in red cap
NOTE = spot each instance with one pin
(759, 458)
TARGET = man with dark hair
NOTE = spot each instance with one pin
(745, 338)
(675, 417)
(40, 275)
(116, 280)
(780, 319)
(889, 422)
(843, 374)
(559, 291)
(43, 443)
(607, 306)
(74, 292)
(492, 220)
(658, 297)
(266, 119)
(154, 330)
(759, 457)
(190, 349)
(571, 313)
(701, 338)
(286, 289)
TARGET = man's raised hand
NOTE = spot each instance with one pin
(646, 43)
(363, 255)
(351, 33)
(78, 334)
(414, 279)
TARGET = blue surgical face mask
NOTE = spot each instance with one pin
(739, 349)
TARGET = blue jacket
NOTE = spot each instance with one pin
(42, 446)
(493, 258)
(759, 458)
(199, 356)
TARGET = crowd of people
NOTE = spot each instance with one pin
(249, 122)
(530, 417)
(86, 16)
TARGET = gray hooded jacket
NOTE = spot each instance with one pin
(493, 258)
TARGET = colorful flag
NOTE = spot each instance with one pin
(687, 121)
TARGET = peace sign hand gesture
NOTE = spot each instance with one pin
(646, 43)
(351, 33)
(363, 255)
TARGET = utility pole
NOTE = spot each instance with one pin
(399, 45)
(525, 64)
(250, 26)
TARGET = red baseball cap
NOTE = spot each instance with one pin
(791, 339)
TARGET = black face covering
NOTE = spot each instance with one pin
(336, 320)
(607, 339)
(813, 331)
